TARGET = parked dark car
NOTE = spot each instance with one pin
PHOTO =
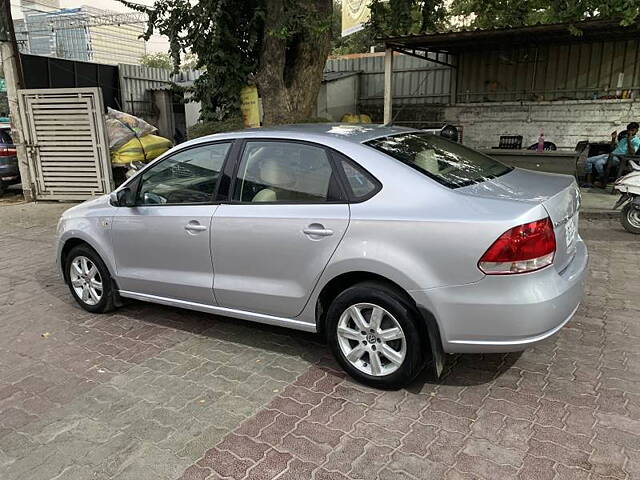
(9, 173)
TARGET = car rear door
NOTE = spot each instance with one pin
(287, 215)
(162, 244)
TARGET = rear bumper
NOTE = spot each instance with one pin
(507, 313)
(9, 171)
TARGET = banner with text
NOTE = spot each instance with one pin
(355, 14)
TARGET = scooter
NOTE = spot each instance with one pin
(629, 188)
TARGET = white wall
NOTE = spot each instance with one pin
(338, 97)
(564, 123)
(191, 111)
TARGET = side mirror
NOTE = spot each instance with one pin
(122, 198)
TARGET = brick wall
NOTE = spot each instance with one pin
(564, 123)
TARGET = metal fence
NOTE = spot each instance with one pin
(415, 81)
(574, 71)
(49, 72)
(571, 71)
(136, 83)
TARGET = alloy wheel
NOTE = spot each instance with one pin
(86, 280)
(371, 339)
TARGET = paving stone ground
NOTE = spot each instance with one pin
(151, 392)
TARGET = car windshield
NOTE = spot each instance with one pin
(449, 163)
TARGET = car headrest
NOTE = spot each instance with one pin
(274, 172)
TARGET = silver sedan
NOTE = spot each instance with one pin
(396, 245)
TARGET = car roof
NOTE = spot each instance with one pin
(352, 132)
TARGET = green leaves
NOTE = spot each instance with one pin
(157, 60)
(224, 36)
(227, 37)
(402, 17)
(513, 13)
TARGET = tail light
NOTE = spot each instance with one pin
(7, 152)
(525, 248)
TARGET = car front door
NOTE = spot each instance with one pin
(285, 221)
(162, 244)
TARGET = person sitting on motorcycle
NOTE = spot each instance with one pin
(628, 144)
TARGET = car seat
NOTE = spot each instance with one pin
(274, 174)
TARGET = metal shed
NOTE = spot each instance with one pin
(533, 63)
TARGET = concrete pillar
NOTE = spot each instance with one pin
(388, 85)
(9, 54)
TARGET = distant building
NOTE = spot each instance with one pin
(76, 35)
(23, 7)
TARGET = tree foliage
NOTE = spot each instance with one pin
(281, 45)
(223, 34)
(402, 17)
(390, 18)
(157, 60)
(485, 14)
(163, 60)
(237, 42)
(515, 13)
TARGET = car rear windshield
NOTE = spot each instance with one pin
(451, 164)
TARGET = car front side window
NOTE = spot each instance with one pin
(187, 177)
(287, 172)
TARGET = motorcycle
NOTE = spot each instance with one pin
(629, 188)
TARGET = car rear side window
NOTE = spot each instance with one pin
(361, 184)
(449, 163)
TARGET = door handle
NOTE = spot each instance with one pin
(194, 227)
(317, 231)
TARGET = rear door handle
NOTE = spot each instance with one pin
(317, 231)
(194, 227)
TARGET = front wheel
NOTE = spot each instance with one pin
(373, 334)
(630, 218)
(89, 280)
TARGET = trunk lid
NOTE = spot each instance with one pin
(558, 194)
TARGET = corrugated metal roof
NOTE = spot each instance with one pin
(454, 41)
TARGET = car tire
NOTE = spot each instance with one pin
(400, 356)
(89, 280)
(630, 218)
(3, 188)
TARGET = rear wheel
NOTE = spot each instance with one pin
(3, 188)
(373, 334)
(89, 280)
(630, 218)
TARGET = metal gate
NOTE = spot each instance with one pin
(66, 143)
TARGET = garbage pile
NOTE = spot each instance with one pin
(131, 139)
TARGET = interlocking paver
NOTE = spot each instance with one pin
(156, 392)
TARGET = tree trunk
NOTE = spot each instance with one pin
(290, 71)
